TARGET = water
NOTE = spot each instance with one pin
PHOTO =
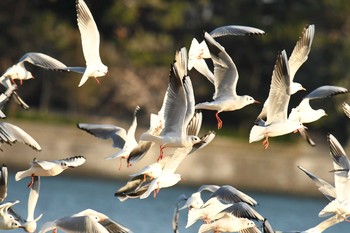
(61, 196)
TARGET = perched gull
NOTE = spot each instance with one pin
(50, 168)
(11, 134)
(90, 38)
(3, 182)
(7, 220)
(122, 139)
(178, 109)
(346, 109)
(277, 123)
(19, 71)
(296, 60)
(225, 81)
(30, 223)
(85, 221)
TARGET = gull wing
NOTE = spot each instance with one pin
(230, 194)
(279, 94)
(43, 61)
(327, 189)
(113, 226)
(90, 36)
(74, 161)
(243, 210)
(346, 109)
(3, 182)
(225, 71)
(325, 92)
(301, 50)
(106, 131)
(235, 30)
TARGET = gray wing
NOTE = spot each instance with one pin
(250, 230)
(326, 91)
(327, 189)
(338, 153)
(139, 151)
(235, 30)
(303, 132)
(190, 102)
(175, 107)
(114, 227)
(195, 123)
(243, 210)
(266, 227)
(3, 182)
(10, 134)
(301, 50)
(209, 187)
(279, 94)
(346, 109)
(43, 61)
(225, 71)
(74, 161)
(105, 131)
(230, 194)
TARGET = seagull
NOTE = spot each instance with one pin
(195, 200)
(299, 55)
(230, 194)
(122, 139)
(277, 123)
(3, 182)
(7, 220)
(11, 134)
(88, 220)
(178, 108)
(30, 224)
(225, 81)
(49, 168)
(199, 51)
(346, 109)
(305, 113)
(19, 71)
(90, 38)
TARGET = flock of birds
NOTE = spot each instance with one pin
(175, 129)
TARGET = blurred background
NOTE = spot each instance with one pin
(138, 43)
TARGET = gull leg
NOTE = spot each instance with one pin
(156, 191)
(266, 141)
(219, 120)
(98, 81)
(161, 153)
(31, 181)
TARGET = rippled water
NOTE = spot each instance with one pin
(61, 196)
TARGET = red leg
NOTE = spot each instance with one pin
(120, 163)
(31, 181)
(161, 153)
(156, 191)
(266, 141)
(98, 81)
(219, 120)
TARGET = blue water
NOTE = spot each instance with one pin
(61, 196)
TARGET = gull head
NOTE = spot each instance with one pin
(102, 70)
(295, 87)
(18, 72)
(195, 139)
(8, 222)
(249, 100)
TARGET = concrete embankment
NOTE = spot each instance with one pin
(224, 161)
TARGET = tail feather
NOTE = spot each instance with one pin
(193, 216)
(257, 133)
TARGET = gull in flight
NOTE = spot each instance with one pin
(90, 39)
(346, 109)
(7, 220)
(19, 71)
(3, 182)
(88, 220)
(49, 168)
(178, 108)
(298, 57)
(277, 123)
(225, 81)
(199, 51)
(30, 224)
(122, 139)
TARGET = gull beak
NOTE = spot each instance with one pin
(256, 102)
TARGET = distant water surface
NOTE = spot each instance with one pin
(61, 196)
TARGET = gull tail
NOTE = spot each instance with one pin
(327, 210)
(83, 80)
(20, 175)
(257, 133)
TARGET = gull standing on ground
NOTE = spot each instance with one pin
(299, 55)
(19, 71)
(178, 108)
(85, 221)
(90, 39)
(225, 80)
(122, 139)
(277, 123)
(49, 168)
